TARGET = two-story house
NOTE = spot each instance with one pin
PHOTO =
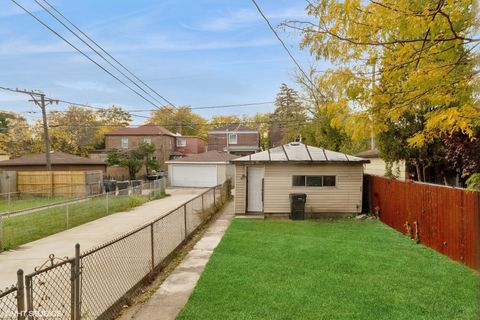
(131, 138)
(234, 138)
(189, 145)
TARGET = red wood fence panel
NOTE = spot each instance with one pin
(443, 218)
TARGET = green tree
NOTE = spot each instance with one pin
(289, 117)
(222, 120)
(17, 137)
(170, 118)
(261, 122)
(110, 119)
(146, 150)
(73, 130)
(135, 159)
(131, 159)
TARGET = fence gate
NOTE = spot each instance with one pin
(50, 290)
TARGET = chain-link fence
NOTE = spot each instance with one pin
(29, 225)
(96, 284)
(12, 301)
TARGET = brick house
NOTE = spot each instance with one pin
(234, 138)
(131, 138)
(189, 145)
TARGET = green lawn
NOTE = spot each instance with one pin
(27, 202)
(329, 270)
(25, 228)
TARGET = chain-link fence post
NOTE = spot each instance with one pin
(106, 202)
(9, 206)
(76, 286)
(1, 233)
(67, 212)
(185, 219)
(152, 246)
(20, 295)
(28, 290)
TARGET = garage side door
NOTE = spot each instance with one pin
(194, 175)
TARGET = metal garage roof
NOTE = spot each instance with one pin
(298, 152)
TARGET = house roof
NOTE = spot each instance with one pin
(145, 130)
(368, 154)
(300, 153)
(233, 127)
(38, 159)
(209, 156)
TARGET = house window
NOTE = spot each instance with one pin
(124, 143)
(298, 181)
(147, 140)
(181, 143)
(314, 181)
(232, 138)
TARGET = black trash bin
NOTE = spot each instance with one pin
(110, 185)
(297, 206)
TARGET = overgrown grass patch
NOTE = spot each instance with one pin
(329, 270)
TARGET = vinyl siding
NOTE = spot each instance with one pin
(377, 167)
(240, 189)
(345, 197)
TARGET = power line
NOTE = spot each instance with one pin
(81, 52)
(72, 103)
(92, 48)
(252, 104)
(208, 125)
(108, 54)
(101, 48)
(283, 44)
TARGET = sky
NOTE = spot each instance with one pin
(198, 53)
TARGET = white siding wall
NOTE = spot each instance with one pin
(376, 167)
(345, 197)
(221, 173)
(240, 189)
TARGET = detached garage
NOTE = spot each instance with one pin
(201, 170)
(331, 181)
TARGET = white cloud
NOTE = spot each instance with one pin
(85, 86)
(244, 17)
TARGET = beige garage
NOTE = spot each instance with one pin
(331, 180)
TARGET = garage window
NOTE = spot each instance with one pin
(314, 181)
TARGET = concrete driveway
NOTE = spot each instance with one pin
(89, 235)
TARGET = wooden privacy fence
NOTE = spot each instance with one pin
(443, 218)
(60, 183)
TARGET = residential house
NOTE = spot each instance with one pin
(234, 138)
(332, 181)
(60, 162)
(189, 145)
(131, 138)
(378, 167)
(201, 170)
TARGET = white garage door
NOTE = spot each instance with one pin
(194, 175)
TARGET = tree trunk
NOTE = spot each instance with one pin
(419, 171)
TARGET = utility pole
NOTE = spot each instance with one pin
(40, 100)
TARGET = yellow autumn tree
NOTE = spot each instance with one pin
(399, 57)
